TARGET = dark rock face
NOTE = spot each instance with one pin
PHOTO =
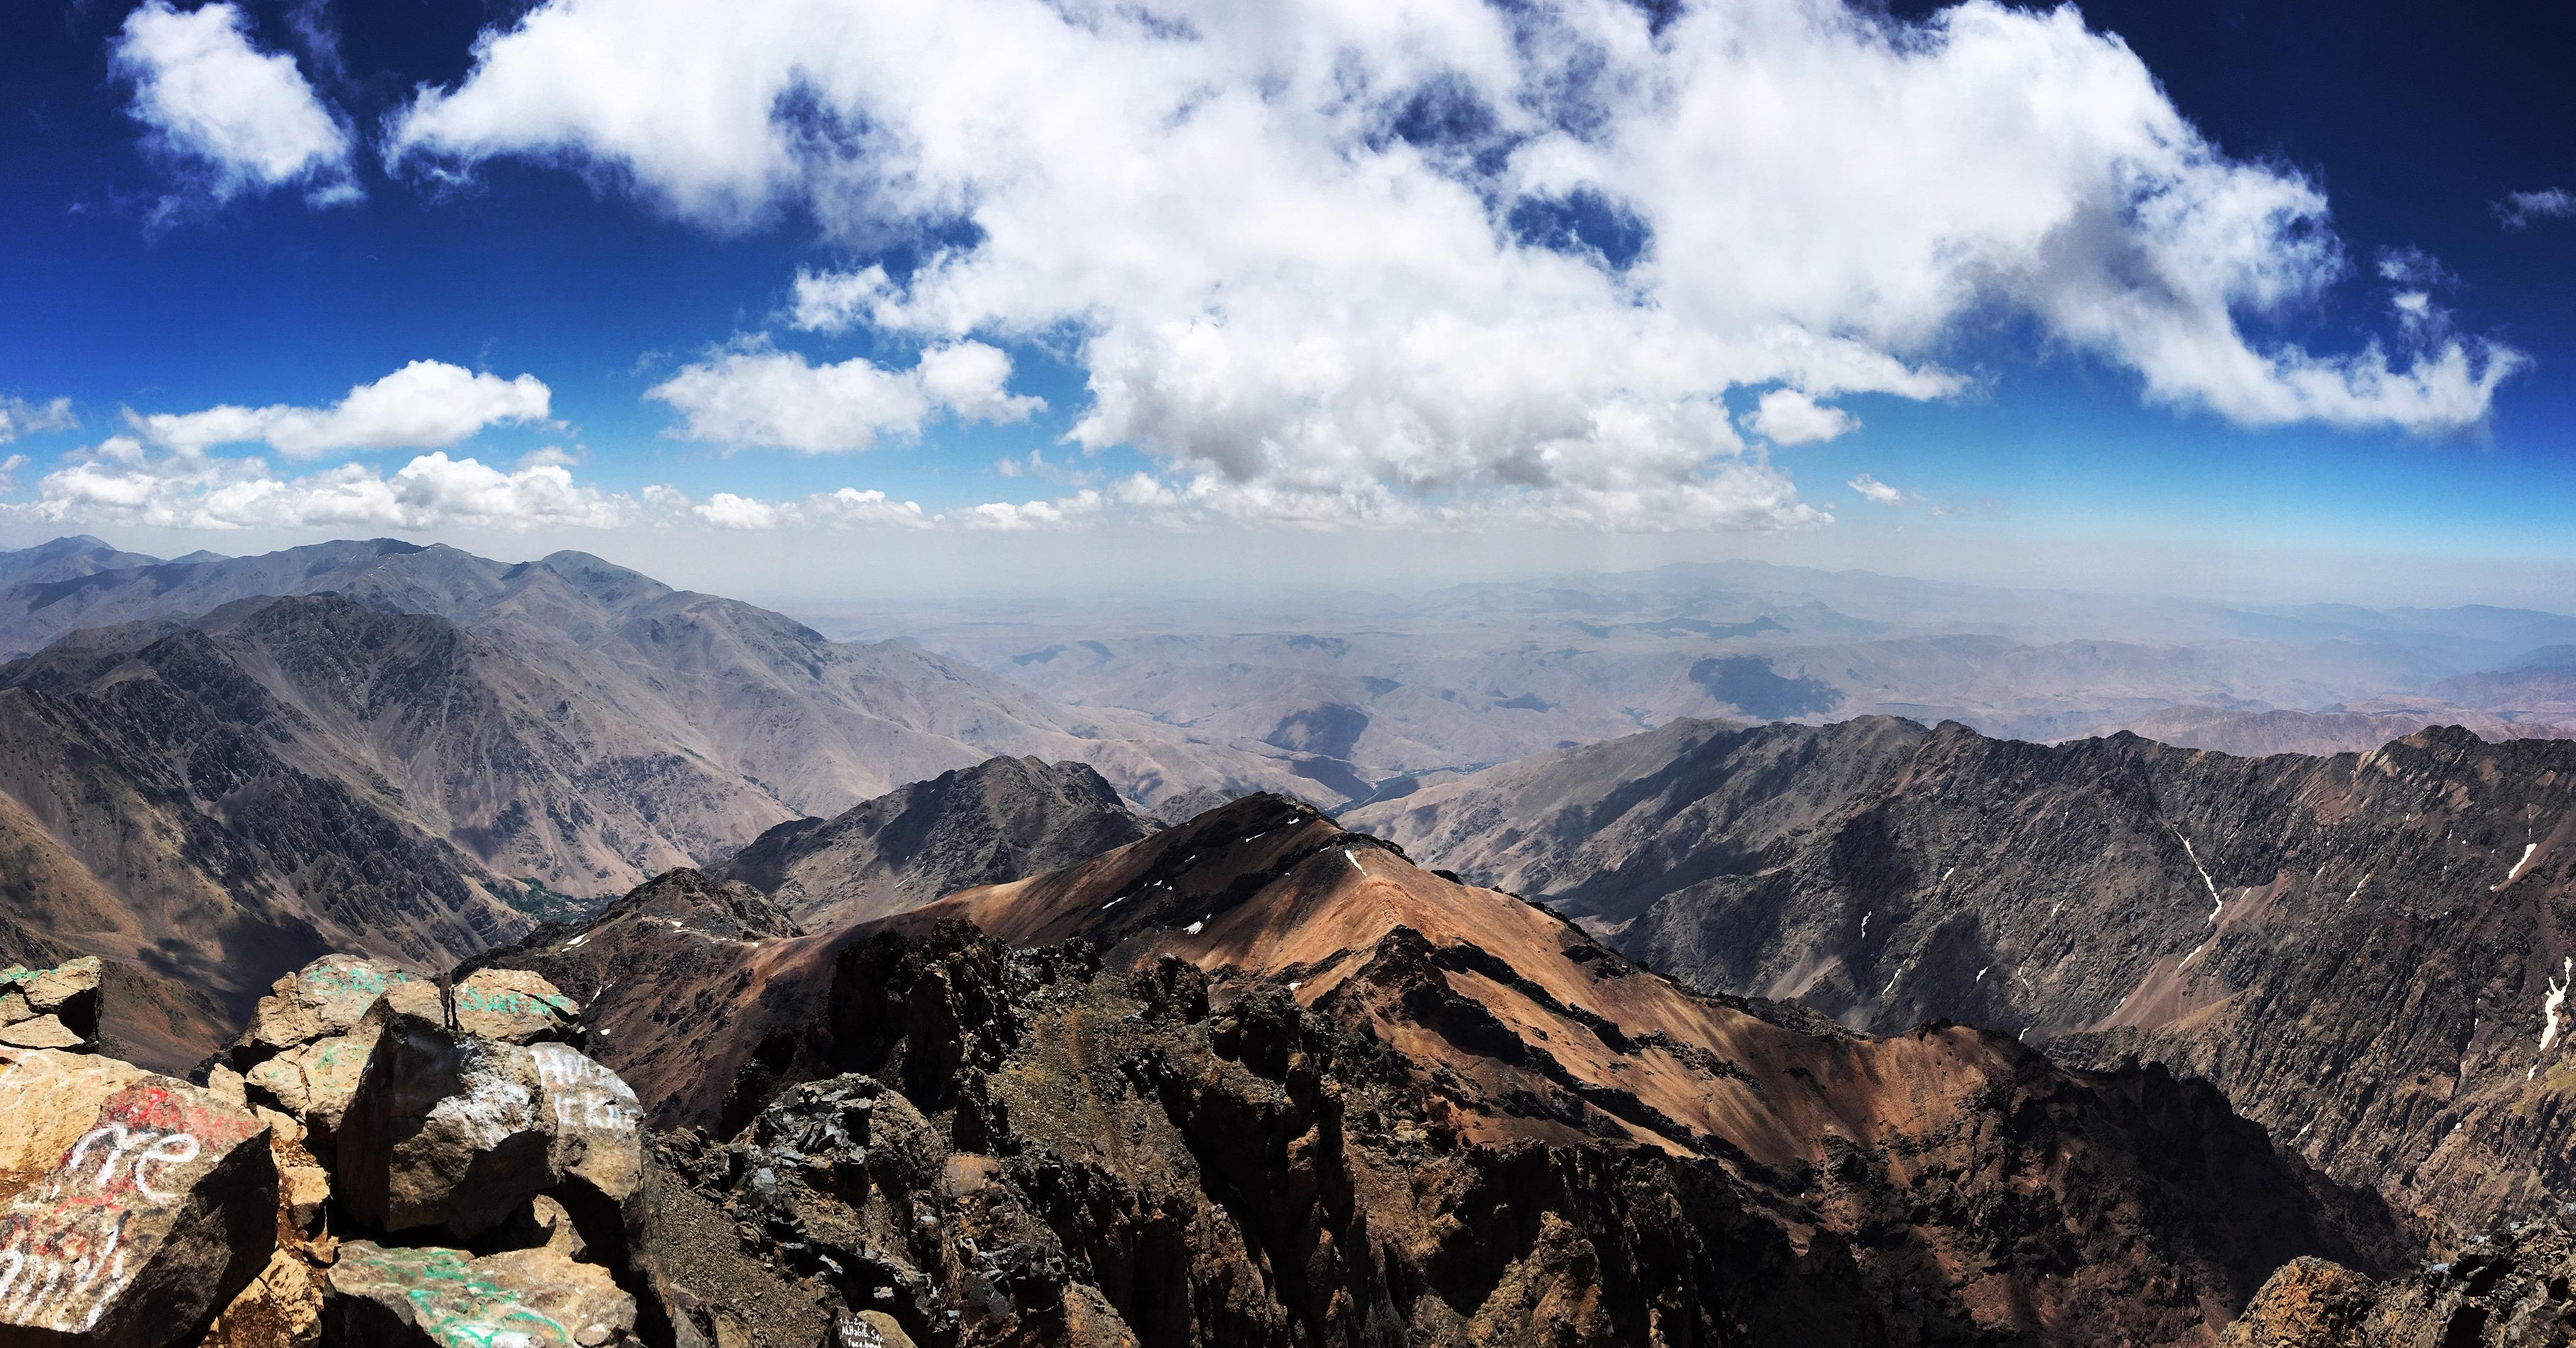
(2362, 951)
(1015, 1145)
(2508, 1289)
(999, 820)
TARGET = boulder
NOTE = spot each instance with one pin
(282, 1308)
(516, 1006)
(68, 993)
(435, 1298)
(48, 1099)
(155, 1217)
(331, 996)
(41, 1032)
(444, 1130)
(599, 1154)
(311, 1083)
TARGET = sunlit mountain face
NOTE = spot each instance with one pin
(1444, 672)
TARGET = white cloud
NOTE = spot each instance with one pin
(848, 508)
(778, 398)
(9, 472)
(2519, 209)
(19, 417)
(1314, 254)
(1789, 417)
(427, 404)
(244, 120)
(1880, 492)
(121, 481)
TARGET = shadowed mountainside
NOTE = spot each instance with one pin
(2361, 950)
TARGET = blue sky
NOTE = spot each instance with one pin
(1265, 309)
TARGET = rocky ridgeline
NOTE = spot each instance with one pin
(375, 1161)
(2510, 1289)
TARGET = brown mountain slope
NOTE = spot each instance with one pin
(819, 724)
(1967, 1182)
(524, 770)
(689, 974)
(154, 811)
(999, 820)
(2360, 950)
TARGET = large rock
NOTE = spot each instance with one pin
(516, 1006)
(282, 1308)
(42, 1008)
(598, 1154)
(312, 1083)
(155, 1217)
(331, 996)
(444, 1130)
(439, 1298)
(450, 1131)
(47, 1100)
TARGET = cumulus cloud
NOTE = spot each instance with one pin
(778, 398)
(427, 404)
(2519, 209)
(123, 481)
(1789, 417)
(19, 417)
(239, 119)
(1445, 256)
(1873, 489)
(9, 468)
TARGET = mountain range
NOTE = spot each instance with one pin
(2364, 951)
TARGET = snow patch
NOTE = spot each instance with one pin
(1981, 974)
(2215, 902)
(2550, 1006)
(2356, 887)
(2518, 868)
(1196, 927)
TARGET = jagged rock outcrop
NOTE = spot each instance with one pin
(1406, 1107)
(682, 978)
(2506, 1289)
(2363, 951)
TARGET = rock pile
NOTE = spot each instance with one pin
(376, 1161)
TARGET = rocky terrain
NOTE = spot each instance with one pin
(2363, 951)
(1257, 1079)
(686, 974)
(2508, 1289)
